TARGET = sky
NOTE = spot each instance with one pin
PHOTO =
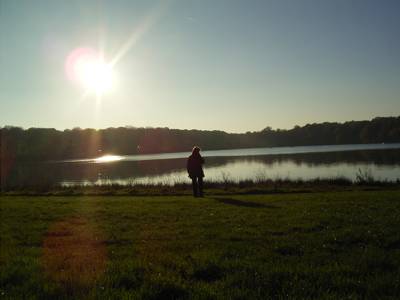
(232, 65)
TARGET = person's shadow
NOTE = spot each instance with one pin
(236, 202)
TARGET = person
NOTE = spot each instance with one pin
(195, 170)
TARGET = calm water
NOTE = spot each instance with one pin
(382, 160)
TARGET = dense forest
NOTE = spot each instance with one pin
(50, 144)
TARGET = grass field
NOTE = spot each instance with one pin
(331, 245)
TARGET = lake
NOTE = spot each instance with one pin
(305, 162)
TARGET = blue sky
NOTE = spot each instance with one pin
(232, 65)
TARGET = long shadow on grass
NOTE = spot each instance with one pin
(236, 202)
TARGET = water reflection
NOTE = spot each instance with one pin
(108, 158)
(384, 164)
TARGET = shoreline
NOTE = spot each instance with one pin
(280, 186)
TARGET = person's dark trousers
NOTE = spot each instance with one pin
(197, 184)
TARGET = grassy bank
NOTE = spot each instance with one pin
(328, 245)
(224, 187)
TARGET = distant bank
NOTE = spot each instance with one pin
(49, 144)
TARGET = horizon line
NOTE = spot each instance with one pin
(169, 128)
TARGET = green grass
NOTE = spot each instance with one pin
(331, 245)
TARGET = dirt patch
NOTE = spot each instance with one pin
(74, 254)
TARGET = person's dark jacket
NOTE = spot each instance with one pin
(194, 166)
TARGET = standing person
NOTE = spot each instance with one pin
(195, 170)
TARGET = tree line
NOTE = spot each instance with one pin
(52, 144)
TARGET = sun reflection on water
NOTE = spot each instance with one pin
(108, 158)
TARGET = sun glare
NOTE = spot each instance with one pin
(89, 69)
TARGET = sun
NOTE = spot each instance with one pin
(89, 68)
(96, 76)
